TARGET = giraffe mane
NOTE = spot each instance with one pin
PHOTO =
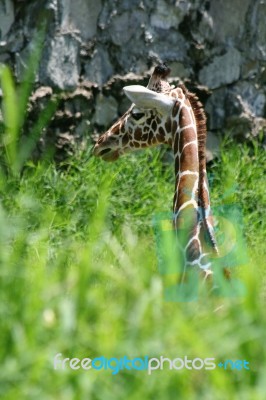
(200, 118)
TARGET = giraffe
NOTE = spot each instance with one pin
(163, 114)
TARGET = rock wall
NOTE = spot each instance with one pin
(95, 47)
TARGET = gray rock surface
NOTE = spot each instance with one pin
(80, 16)
(106, 110)
(94, 48)
(228, 18)
(215, 109)
(166, 16)
(7, 17)
(124, 27)
(99, 69)
(60, 67)
(256, 32)
(223, 70)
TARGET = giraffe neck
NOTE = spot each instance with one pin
(191, 206)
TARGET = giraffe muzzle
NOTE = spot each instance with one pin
(107, 154)
(104, 151)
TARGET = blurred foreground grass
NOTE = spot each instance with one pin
(79, 277)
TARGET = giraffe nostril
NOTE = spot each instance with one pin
(104, 151)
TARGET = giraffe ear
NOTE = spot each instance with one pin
(146, 98)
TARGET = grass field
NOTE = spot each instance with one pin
(79, 277)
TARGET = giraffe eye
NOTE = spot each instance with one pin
(137, 115)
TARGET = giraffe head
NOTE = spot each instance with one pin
(146, 123)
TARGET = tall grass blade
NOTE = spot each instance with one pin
(11, 118)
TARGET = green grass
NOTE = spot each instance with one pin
(79, 277)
